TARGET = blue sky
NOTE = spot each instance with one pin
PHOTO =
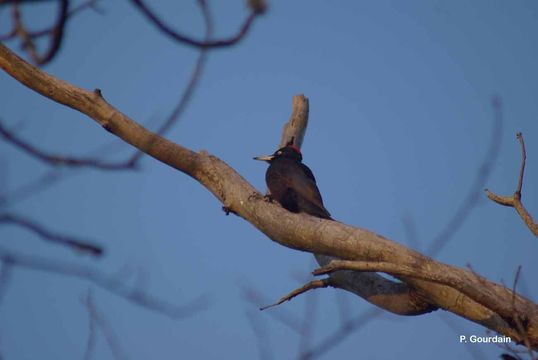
(400, 122)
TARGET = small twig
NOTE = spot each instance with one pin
(411, 234)
(350, 326)
(472, 198)
(203, 44)
(517, 317)
(61, 160)
(516, 279)
(261, 334)
(39, 33)
(519, 136)
(515, 200)
(286, 318)
(47, 235)
(26, 190)
(314, 284)
(5, 276)
(92, 329)
(57, 34)
(309, 321)
(114, 285)
(97, 318)
(473, 350)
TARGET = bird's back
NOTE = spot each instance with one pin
(293, 185)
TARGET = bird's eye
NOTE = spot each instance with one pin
(279, 153)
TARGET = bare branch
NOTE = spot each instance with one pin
(28, 36)
(56, 34)
(204, 44)
(473, 196)
(350, 326)
(260, 332)
(24, 191)
(114, 285)
(98, 319)
(55, 160)
(92, 330)
(314, 284)
(5, 277)
(287, 318)
(47, 235)
(515, 200)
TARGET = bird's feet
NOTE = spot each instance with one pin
(228, 210)
(258, 196)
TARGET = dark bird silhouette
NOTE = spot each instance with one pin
(292, 183)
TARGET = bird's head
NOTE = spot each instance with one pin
(289, 151)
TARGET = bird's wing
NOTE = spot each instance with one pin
(307, 189)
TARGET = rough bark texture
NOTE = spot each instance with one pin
(439, 285)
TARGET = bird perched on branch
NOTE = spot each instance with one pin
(292, 183)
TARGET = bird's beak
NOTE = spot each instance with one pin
(264, 158)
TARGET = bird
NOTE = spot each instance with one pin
(292, 184)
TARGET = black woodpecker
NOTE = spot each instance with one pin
(292, 183)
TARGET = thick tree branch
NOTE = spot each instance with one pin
(515, 200)
(296, 231)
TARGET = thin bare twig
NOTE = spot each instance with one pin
(314, 284)
(472, 349)
(5, 277)
(517, 316)
(353, 324)
(57, 34)
(50, 159)
(286, 318)
(411, 234)
(202, 44)
(309, 320)
(515, 200)
(39, 33)
(114, 285)
(47, 235)
(260, 332)
(92, 330)
(472, 198)
(31, 188)
(97, 318)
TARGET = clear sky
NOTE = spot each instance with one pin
(400, 122)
